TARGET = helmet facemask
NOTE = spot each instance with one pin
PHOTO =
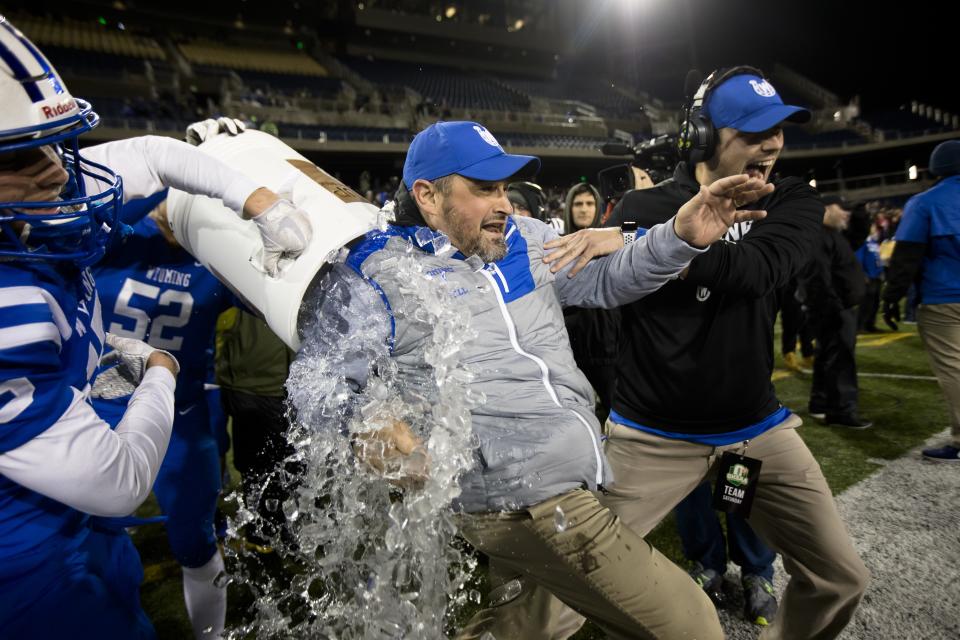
(38, 112)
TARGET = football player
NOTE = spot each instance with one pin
(66, 567)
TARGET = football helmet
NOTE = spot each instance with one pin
(38, 111)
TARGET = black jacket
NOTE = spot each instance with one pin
(833, 280)
(697, 355)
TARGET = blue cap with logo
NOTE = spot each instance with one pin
(464, 148)
(749, 103)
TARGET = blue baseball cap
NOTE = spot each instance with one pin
(749, 103)
(465, 148)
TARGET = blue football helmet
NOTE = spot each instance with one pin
(38, 111)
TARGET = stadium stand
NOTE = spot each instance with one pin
(215, 54)
(442, 85)
(356, 134)
(800, 138)
(89, 36)
(903, 123)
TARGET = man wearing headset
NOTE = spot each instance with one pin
(694, 397)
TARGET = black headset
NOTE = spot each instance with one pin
(698, 137)
(534, 196)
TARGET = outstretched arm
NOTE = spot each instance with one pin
(701, 221)
(666, 250)
(149, 164)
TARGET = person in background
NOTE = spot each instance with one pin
(869, 256)
(833, 286)
(251, 369)
(928, 246)
(794, 329)
(529, 200)
(582, 208)
(594, 333)
(153, 290)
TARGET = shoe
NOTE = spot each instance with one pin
(818, 416)
(759, 600)
(791, 361)
(850, 421)
(946, 453)
(807, 362)
(711, 582)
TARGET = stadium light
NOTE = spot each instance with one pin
(813, 182)
(451, 11)
(912, 172)
(518, 24)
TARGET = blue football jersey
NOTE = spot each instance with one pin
(51, 338)
(156, 292)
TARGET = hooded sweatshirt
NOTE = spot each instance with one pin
(568, 206)
(594, 333)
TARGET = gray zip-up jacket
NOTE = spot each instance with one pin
(537, 433)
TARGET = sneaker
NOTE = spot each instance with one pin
(711, 582)
(850, 421)
(759, 600)
(807, 362)
(817, 415)
(791, 361)
(946, 453)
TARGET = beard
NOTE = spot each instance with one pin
(473, 241)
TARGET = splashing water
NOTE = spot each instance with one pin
(559, 520)
(362, 558)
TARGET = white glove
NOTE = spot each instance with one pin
(199, 132)
(285, 231)
(130, 357)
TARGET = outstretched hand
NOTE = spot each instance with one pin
(585, 244)
(707, 216)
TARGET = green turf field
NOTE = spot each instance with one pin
(906, 411)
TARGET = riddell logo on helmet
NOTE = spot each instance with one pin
(59, 109)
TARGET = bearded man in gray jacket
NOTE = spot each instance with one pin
(528, 502)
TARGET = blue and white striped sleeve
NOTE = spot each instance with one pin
(34, 391)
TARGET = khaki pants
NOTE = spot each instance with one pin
(939, 326)
(594, 565)
(793, 511)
